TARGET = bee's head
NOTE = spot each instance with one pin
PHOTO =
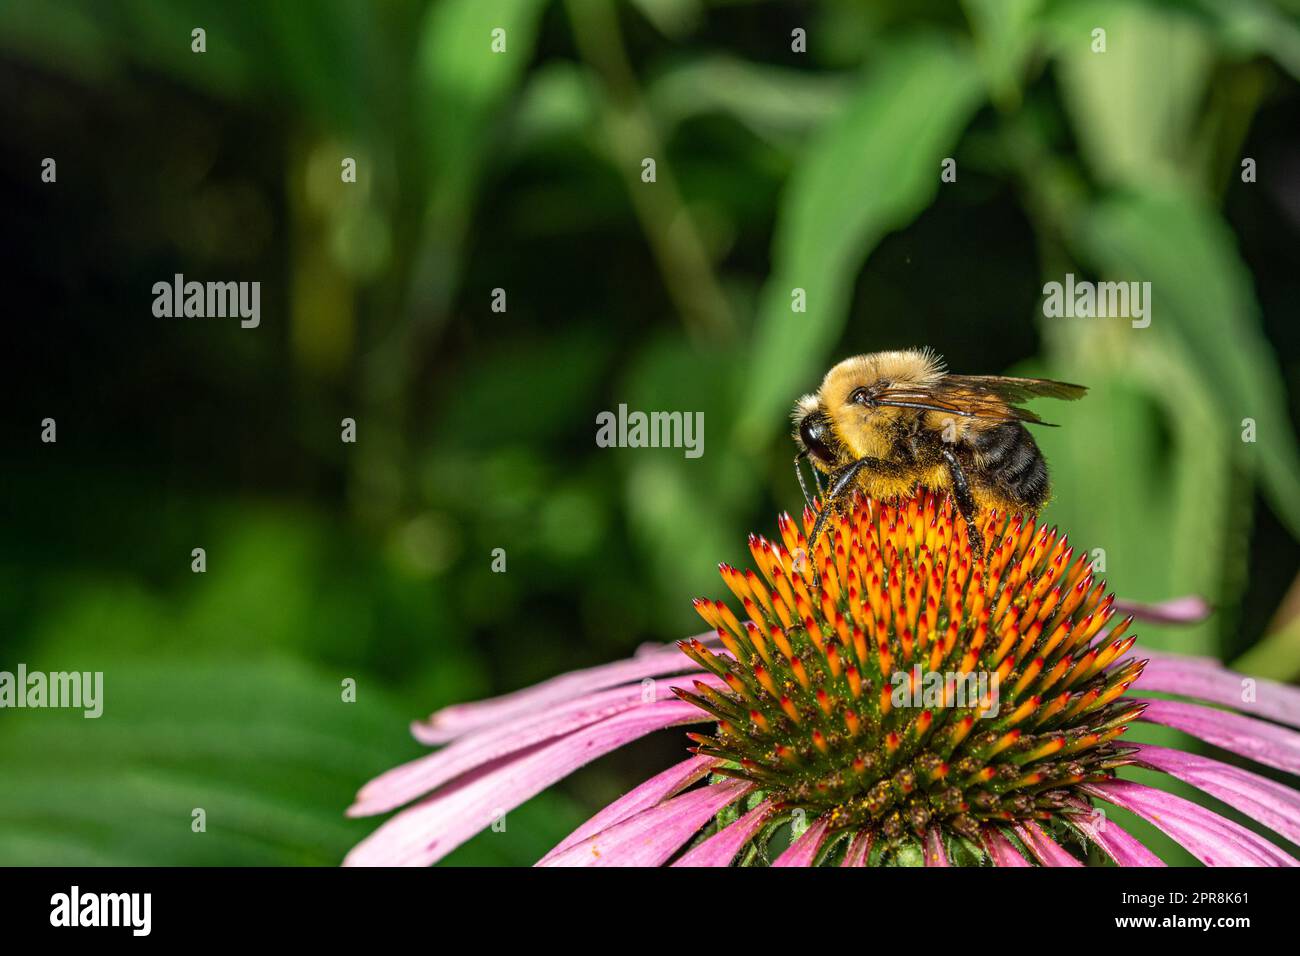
(847, 417)
(855, 386)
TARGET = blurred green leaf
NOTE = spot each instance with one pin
(67, 33)
(1139, 472)
(268, 749)
(1201, 293)
(460, 86)
(872, 169)
(1249, 27)
(780, 105)
(535, 391)
(672, 18)
(1277, 656)
(557, 100)
(1134, 105)
(1005, 32)
(481, 169)
(672, 502)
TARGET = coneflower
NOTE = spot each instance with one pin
(914, 706)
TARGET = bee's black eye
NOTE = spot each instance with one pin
(867, 396)
(815, 433)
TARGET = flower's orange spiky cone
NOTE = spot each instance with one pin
(917, 688)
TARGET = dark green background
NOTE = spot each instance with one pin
(476, 429)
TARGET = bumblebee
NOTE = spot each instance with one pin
(887, 422)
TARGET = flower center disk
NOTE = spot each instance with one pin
(916, 688)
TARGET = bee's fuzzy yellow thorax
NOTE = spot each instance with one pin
(922, 367)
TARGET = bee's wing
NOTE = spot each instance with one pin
(1017, 390)
(992, 397)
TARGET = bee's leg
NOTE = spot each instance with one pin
(842, 484)
(961, 493)
(798, 471)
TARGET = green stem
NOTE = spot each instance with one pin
(668, 225)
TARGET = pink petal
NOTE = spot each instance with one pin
(651, 837)
(429, 830)
(1266, 801)
(1120, 845)
(803, 851)
(859, 851)
(721, 848)
(1041, 845)
(655, 790)
(1260, 741)
(1002, 850)
(1184, 610)
(1206, 679)
(458, 719)
(420, 776)
(935, 854)
(1209, 837)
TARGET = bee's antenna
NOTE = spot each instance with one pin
(808, 499)
(798, 473)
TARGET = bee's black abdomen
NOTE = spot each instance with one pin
(1011, 462)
